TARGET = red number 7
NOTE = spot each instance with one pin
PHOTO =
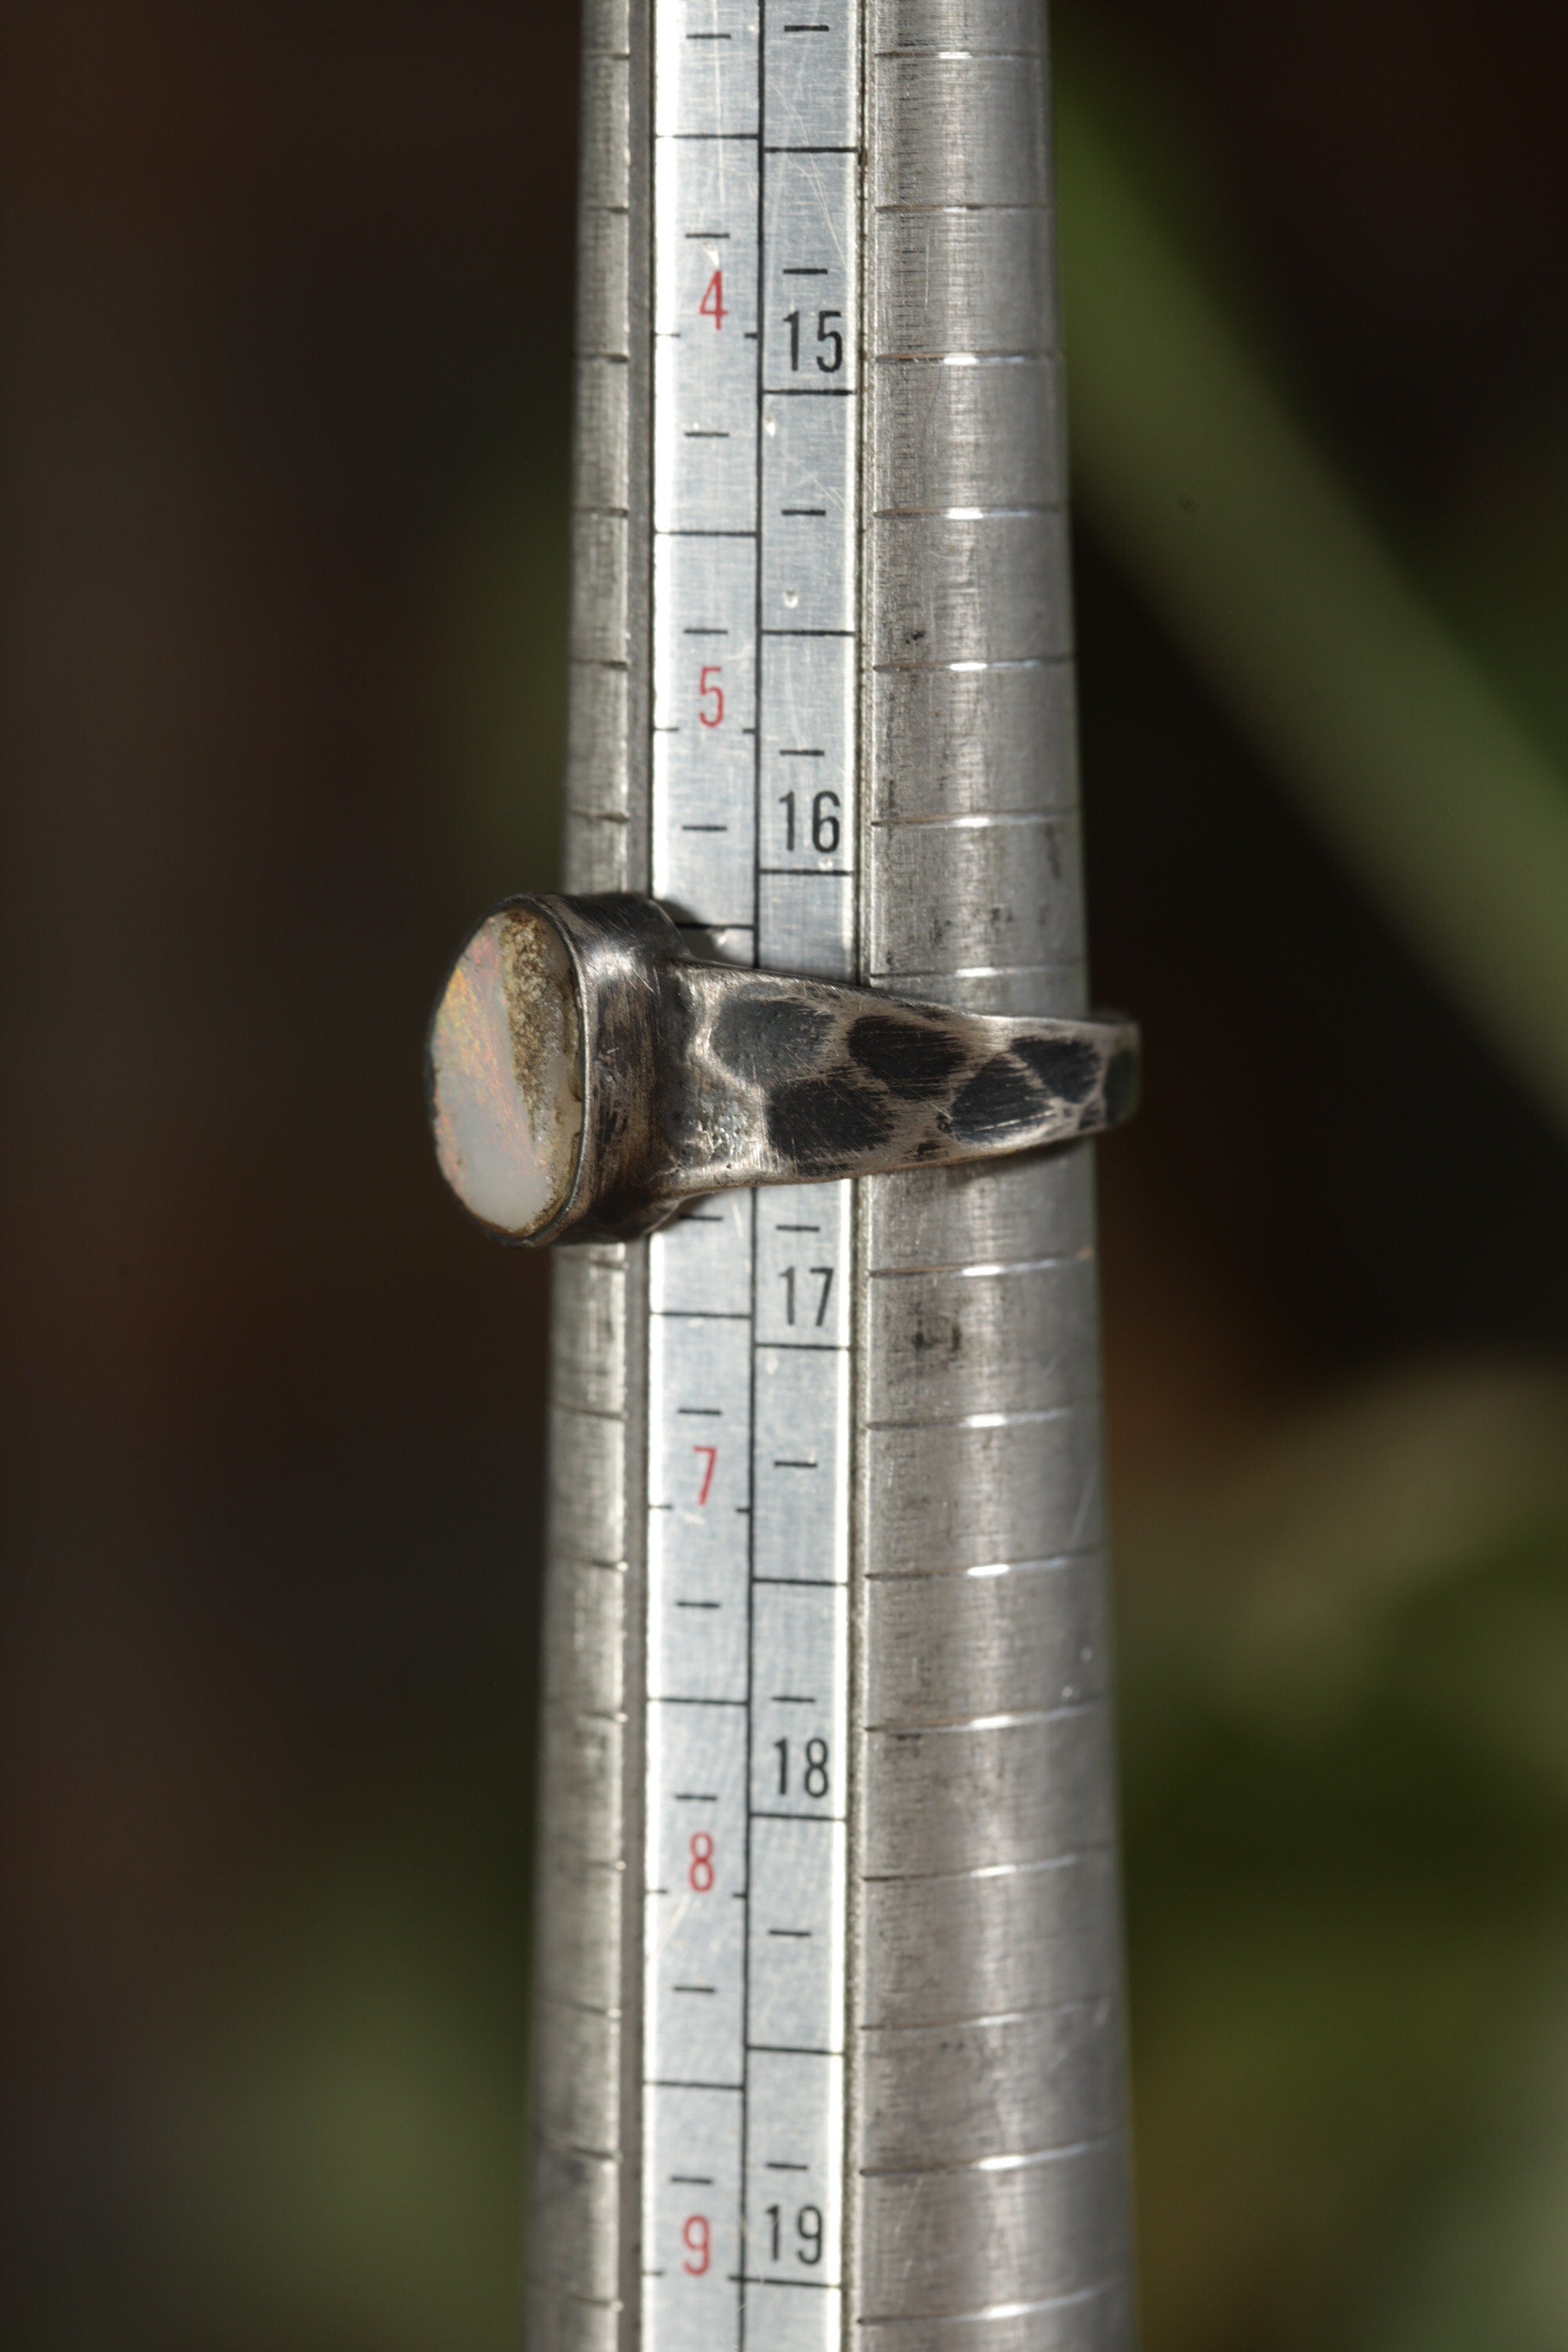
(712, 1453)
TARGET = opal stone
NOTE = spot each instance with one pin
(506, 1075)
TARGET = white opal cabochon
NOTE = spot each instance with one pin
(506, 1076)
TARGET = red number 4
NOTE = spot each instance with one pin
(713, 303)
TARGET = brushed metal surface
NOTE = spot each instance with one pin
(979, 27)
(995, 742)
(1098, 2321)
(991, 1793)
(582, 1757)
(583, 2253)
(946, 1648)
(1028, 2227)
(586, 1495)
(603, 284)
(575, 2241)
(1050, 2076)
(986, 2196)
(577, 1916)
(982, 1942)
(987, 2163)
(589, 1364)
(578, 2108)
(584, 1637)
(600, 587)
(966, 1216)
(951, 1341)
(999, 988)
(960, 588)
(1024, 1487)
(1006, 874)
(596, 810)
(957, 127)
(565, 2322)
(960, 282)
(603, 430)
(982, 432)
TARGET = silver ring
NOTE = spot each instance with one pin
(588, 1079)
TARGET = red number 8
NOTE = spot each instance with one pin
(700, 1877)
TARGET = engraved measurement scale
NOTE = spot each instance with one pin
(756, 655)
(822, 2054)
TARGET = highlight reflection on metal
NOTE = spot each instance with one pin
(639, 1078)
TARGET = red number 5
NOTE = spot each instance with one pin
(695, 2237)
(707, 691)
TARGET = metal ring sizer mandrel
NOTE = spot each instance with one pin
(588, 1077)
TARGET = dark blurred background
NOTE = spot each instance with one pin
(284, 413)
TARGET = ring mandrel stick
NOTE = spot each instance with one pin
(588, 1079)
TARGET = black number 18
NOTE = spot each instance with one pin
(816, 1777)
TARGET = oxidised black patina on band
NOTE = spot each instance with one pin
(700, 1077)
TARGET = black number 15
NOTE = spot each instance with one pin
(826, 333)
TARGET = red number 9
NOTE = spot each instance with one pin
(696, 2238)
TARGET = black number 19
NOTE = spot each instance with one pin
(807, 2229)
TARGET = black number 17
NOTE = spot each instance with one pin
(824, 1274)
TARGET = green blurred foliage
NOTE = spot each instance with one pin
(497, 692)
(1307, 619)
(335, 2148)
(1346, 1759)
